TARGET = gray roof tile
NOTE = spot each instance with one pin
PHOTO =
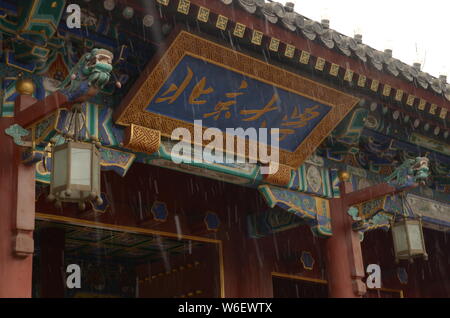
(275, 12)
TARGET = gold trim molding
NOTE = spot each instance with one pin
(282, 177)
(133, 108)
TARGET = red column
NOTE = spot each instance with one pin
(17, 201)
(343, 252)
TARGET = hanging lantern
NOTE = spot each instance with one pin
(75, 174)
(408, 239)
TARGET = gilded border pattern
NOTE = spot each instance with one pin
(142, 139)
(186, 43)
(282, 177)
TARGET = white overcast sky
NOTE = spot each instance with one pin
(416, 31)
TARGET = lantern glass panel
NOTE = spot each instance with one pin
(59, 170)
(400, 238)
(415, 236)
(80, 167)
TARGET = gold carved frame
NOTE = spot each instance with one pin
(133, 108)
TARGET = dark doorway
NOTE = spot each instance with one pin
(115, 262)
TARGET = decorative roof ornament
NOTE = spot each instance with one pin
(273, 11)
(443, 83)
(446, 91)
(382, 61)
(376, 58)
(417, 68)
(248, 5)
(408, 72)
(436, 85)
(423, 79)
(328, 36)
(346, 44)
(311, 29)
(292, 20)
(390, 63)
(360, 49)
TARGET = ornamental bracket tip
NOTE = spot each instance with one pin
(412, 172)
(17, 132)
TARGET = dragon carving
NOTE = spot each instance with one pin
(411, 172)
(88, 76)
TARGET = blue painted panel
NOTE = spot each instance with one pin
(228, 99)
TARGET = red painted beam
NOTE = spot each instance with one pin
(30, 110)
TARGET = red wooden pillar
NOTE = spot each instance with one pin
(343, 252)
(17, 197)
(17, 200)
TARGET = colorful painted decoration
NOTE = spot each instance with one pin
(91, 72)
(8, 96)
(429, 143)
(435, 214)
(271, 221)
(314, 179)
(31, 50)
(212, 221)
(17, 132)
(371, 215)
(159, 211)
(402, 275)
(116, 160)
(307, 260)
(128, 12)
(410, 172)
(31, 156)
(346, 136)
(311, 210)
